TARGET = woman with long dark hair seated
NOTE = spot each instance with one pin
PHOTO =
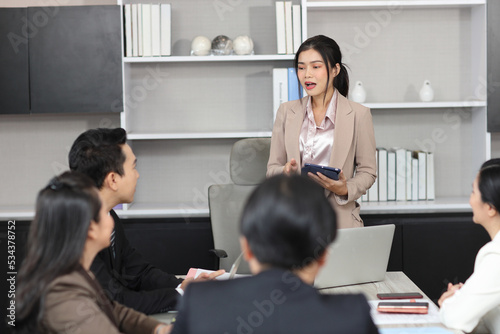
(57, 293)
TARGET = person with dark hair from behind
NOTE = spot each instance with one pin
(56, 292)
(286, 227)
(465, 305)
(104, 156)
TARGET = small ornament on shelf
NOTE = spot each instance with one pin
(243, 45)
(200, 46)
(358, 93)
(426, 92)
(222, 45)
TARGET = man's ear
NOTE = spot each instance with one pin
(111, 181)
(245, 248)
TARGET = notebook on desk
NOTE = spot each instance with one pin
(358, 255)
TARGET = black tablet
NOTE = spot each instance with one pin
(331, 172)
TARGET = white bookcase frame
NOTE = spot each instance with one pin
(478, 139)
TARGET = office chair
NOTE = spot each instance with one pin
(247, 165)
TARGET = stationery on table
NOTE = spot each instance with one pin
(383, 318)
(195, 272)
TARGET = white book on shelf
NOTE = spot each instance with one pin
(280, 88)
(430, 176)
(166, 29)
(382, 174)
(373, 191)
(139, 29)
(135, 29)
(146, 30)
(288, 27)
(391, 175)
(414, 178)
(155, 30)
(280, 27)
(422, 175)
(128, 30)
(408, 175)
(400, 174)
(297, 27)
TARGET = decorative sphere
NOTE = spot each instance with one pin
(222, 45)
(201, 46)
(243, 45)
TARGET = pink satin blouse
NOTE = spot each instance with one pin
(316, 142)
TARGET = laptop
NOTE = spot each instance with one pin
(358, 255)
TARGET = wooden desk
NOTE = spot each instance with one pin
(395, 281)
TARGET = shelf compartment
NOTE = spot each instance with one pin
(392, 5)
(198, 135)
(184, 59)
(426, 105)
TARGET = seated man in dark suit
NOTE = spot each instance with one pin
(105, 156)
(286, 227)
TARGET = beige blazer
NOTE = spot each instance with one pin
(353, 151)
(75, 304)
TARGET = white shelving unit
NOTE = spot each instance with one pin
(182, 129)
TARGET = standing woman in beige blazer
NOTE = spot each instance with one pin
(56, 292)
(325, 128)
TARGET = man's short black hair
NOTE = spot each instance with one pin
(98, 152)
(288, 222)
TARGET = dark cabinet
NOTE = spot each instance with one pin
(71, 61)
(14, 76)
(433, 249)
(493, 65)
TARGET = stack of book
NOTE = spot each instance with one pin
(402, 175)
(288, 27)
(147, 30)
(286, 87)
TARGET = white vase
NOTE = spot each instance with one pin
(426, 92)
(358, 93)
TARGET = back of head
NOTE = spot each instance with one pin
(97, 152)
(56, 240)
(288, 222)
(489, 183)
(331, 54)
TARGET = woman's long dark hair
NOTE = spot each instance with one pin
(488, 183)
(56, 239)
(330, 52)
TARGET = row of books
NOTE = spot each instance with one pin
(288, 27)
(286, 87)
(147, 30)
(402, 175)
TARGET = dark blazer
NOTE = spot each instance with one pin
(274, 301)
(131, 281)
(75, 303)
